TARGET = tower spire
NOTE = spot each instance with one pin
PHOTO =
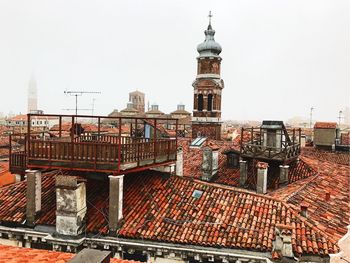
(210, 16)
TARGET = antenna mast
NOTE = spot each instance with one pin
(79, 93)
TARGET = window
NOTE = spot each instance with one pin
(200, 102)
(232, 160)
(210, 102)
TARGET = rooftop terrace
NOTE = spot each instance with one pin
(142, 147)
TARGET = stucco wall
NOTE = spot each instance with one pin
(324, 137)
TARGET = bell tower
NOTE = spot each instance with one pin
(206, 121)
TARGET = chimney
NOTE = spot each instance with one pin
(179, 162)
(33, 195)
(303, 209)
(283, 242)
(210, 162)
(115, 213)
(284, 171)
(261, 184)
(70, 205)
(91, 255)
(243, 170)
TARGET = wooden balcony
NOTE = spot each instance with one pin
(94, 152)
(279, 144)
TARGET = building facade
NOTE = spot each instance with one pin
(138, 100)
(206, 121)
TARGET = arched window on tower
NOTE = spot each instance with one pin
(200, 102)
(210, 102)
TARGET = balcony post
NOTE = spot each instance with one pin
(28, 134)
(119, 142)
(154, 140)
(60, 127)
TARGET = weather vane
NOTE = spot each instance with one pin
(210, 16)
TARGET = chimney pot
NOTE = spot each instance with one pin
(179, 162)
(261, 184)
(70, 205)
(115, 213)
(33, 195)
(210, 162)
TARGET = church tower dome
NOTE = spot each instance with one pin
(209, 47)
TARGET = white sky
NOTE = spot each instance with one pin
(279, 57)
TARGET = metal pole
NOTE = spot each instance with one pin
(76, 104)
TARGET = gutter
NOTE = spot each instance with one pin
(181, 248)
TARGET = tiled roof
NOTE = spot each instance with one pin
(325, 125)
(335, 157)
(161, 209)
(12, 254)
(5, 176)
(332, 213)
(345, 138)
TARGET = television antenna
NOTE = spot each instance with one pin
(78, 94)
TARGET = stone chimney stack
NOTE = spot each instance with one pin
(70, 205)
(179, 162)
(210, 162)
(283, 241)
(243, 172)
(261, 184)
(33, 195)
(284, 171)
(115, 202)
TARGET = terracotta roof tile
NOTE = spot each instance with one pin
(169, 213)
(325, 125)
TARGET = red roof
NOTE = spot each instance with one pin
(331, 215)
(11, 254)
(164, 209)
(325, 125)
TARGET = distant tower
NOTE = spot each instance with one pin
(32, 95)
(138, 100)
(206, 121)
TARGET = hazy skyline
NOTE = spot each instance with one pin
(279, 57)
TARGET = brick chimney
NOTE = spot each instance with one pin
(115, 213)
(33, 195)
(283, 241)
(179, 162)
(284, 171)
(261, 183)
(243, 172)
(70, 205)
(210, 162)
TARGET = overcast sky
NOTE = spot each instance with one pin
(279, 57)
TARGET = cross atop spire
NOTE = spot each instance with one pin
(210, 16)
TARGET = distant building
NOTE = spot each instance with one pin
(154, 112)
(32, 96)
(206, 121)
(130, 110)
(138, 100)
(18, 123)
(180, 112)
(325, 134)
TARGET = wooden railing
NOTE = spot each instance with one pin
(90, 152)
(260, 151)
(18, 162)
